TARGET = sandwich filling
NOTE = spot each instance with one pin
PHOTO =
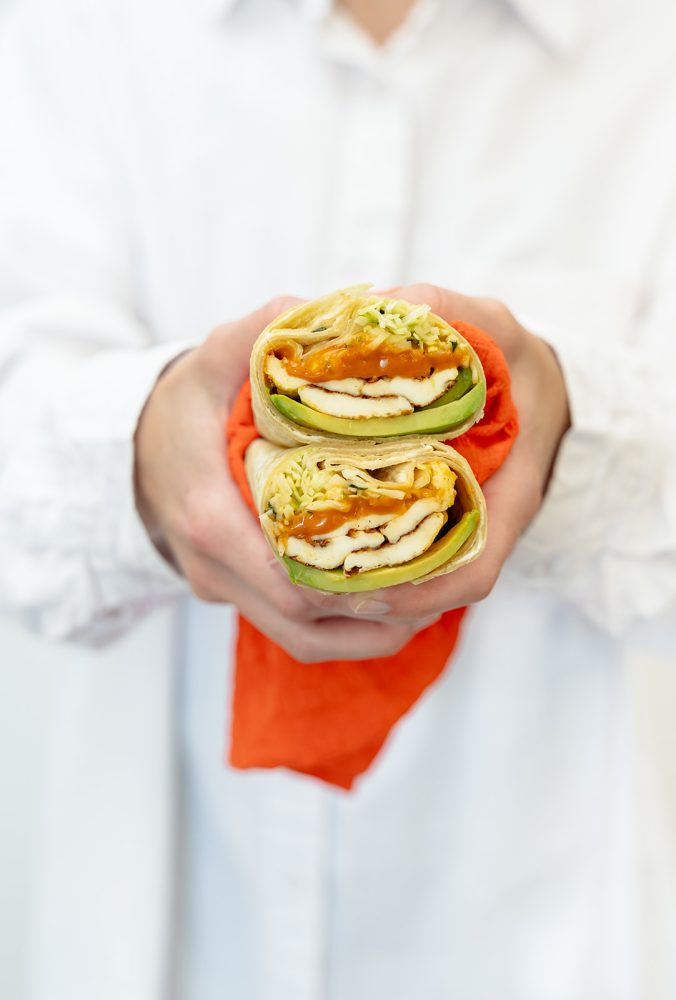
(375, 357)
(330, 515)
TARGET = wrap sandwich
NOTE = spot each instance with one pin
(357, 516)
(356, 365)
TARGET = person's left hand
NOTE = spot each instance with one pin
(514, 494)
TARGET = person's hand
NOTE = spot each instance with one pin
(514, 494)
(195, 515)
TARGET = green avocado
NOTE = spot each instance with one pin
(462, 385)
(334, 580)
(438, 418)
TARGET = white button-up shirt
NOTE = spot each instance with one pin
(166, 166)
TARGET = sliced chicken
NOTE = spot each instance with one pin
(410, 519)
(407, 548)
(340, 404)
(352, 386)
(274, 369)
(419, 391)
(366, 523)
(331, 553)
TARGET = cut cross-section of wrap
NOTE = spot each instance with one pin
(356, 365)
(356, 516)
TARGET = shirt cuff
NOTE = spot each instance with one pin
(108, 394)
(595, 468)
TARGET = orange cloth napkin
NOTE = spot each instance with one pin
(331, 719)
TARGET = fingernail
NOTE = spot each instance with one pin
(366, 606)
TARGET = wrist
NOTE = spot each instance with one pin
(144, 447)
(554, 411)
(149, 460)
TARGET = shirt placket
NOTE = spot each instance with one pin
(294, 930)
(366, 236)
(371, 174)
(371, 208)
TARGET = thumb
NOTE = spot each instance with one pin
(444, 302)
(227, 349)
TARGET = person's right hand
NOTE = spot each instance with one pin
(194, 513)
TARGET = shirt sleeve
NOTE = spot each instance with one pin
(77, 362)
(605, 537)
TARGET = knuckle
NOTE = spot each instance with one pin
(204, 593)
(501, 319)
(419, 607)
(213, 346)
(197, 533)
(485, 584)
(414, 606)
(496, 308)
(430, 294)
(279, 304)
(324, 605)
(193, 526)
(199, 524)
(202, 585)
(396, 639)
(301, 648)
(194, 533)
(291, 605)
(501, 323)
(220, 330)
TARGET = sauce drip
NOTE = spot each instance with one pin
(359, 360)
(321, 522)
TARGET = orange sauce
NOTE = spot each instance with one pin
(359, 360)
(321, 522)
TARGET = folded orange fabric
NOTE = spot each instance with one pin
(331, 719)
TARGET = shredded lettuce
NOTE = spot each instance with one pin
(377, 320)
(306, 484)
(401, 320)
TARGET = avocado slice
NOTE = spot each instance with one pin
(462, 384)
(431, 420)
(335, 581)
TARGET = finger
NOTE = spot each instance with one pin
(344, 639)
(371, 605)
(329, 639)
(228, 347)
(489, 314)
(448, 304)
(217, 560)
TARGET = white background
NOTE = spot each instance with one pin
(29, 678)
(29, 673)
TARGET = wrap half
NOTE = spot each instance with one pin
(357, 516)
(356, 365)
